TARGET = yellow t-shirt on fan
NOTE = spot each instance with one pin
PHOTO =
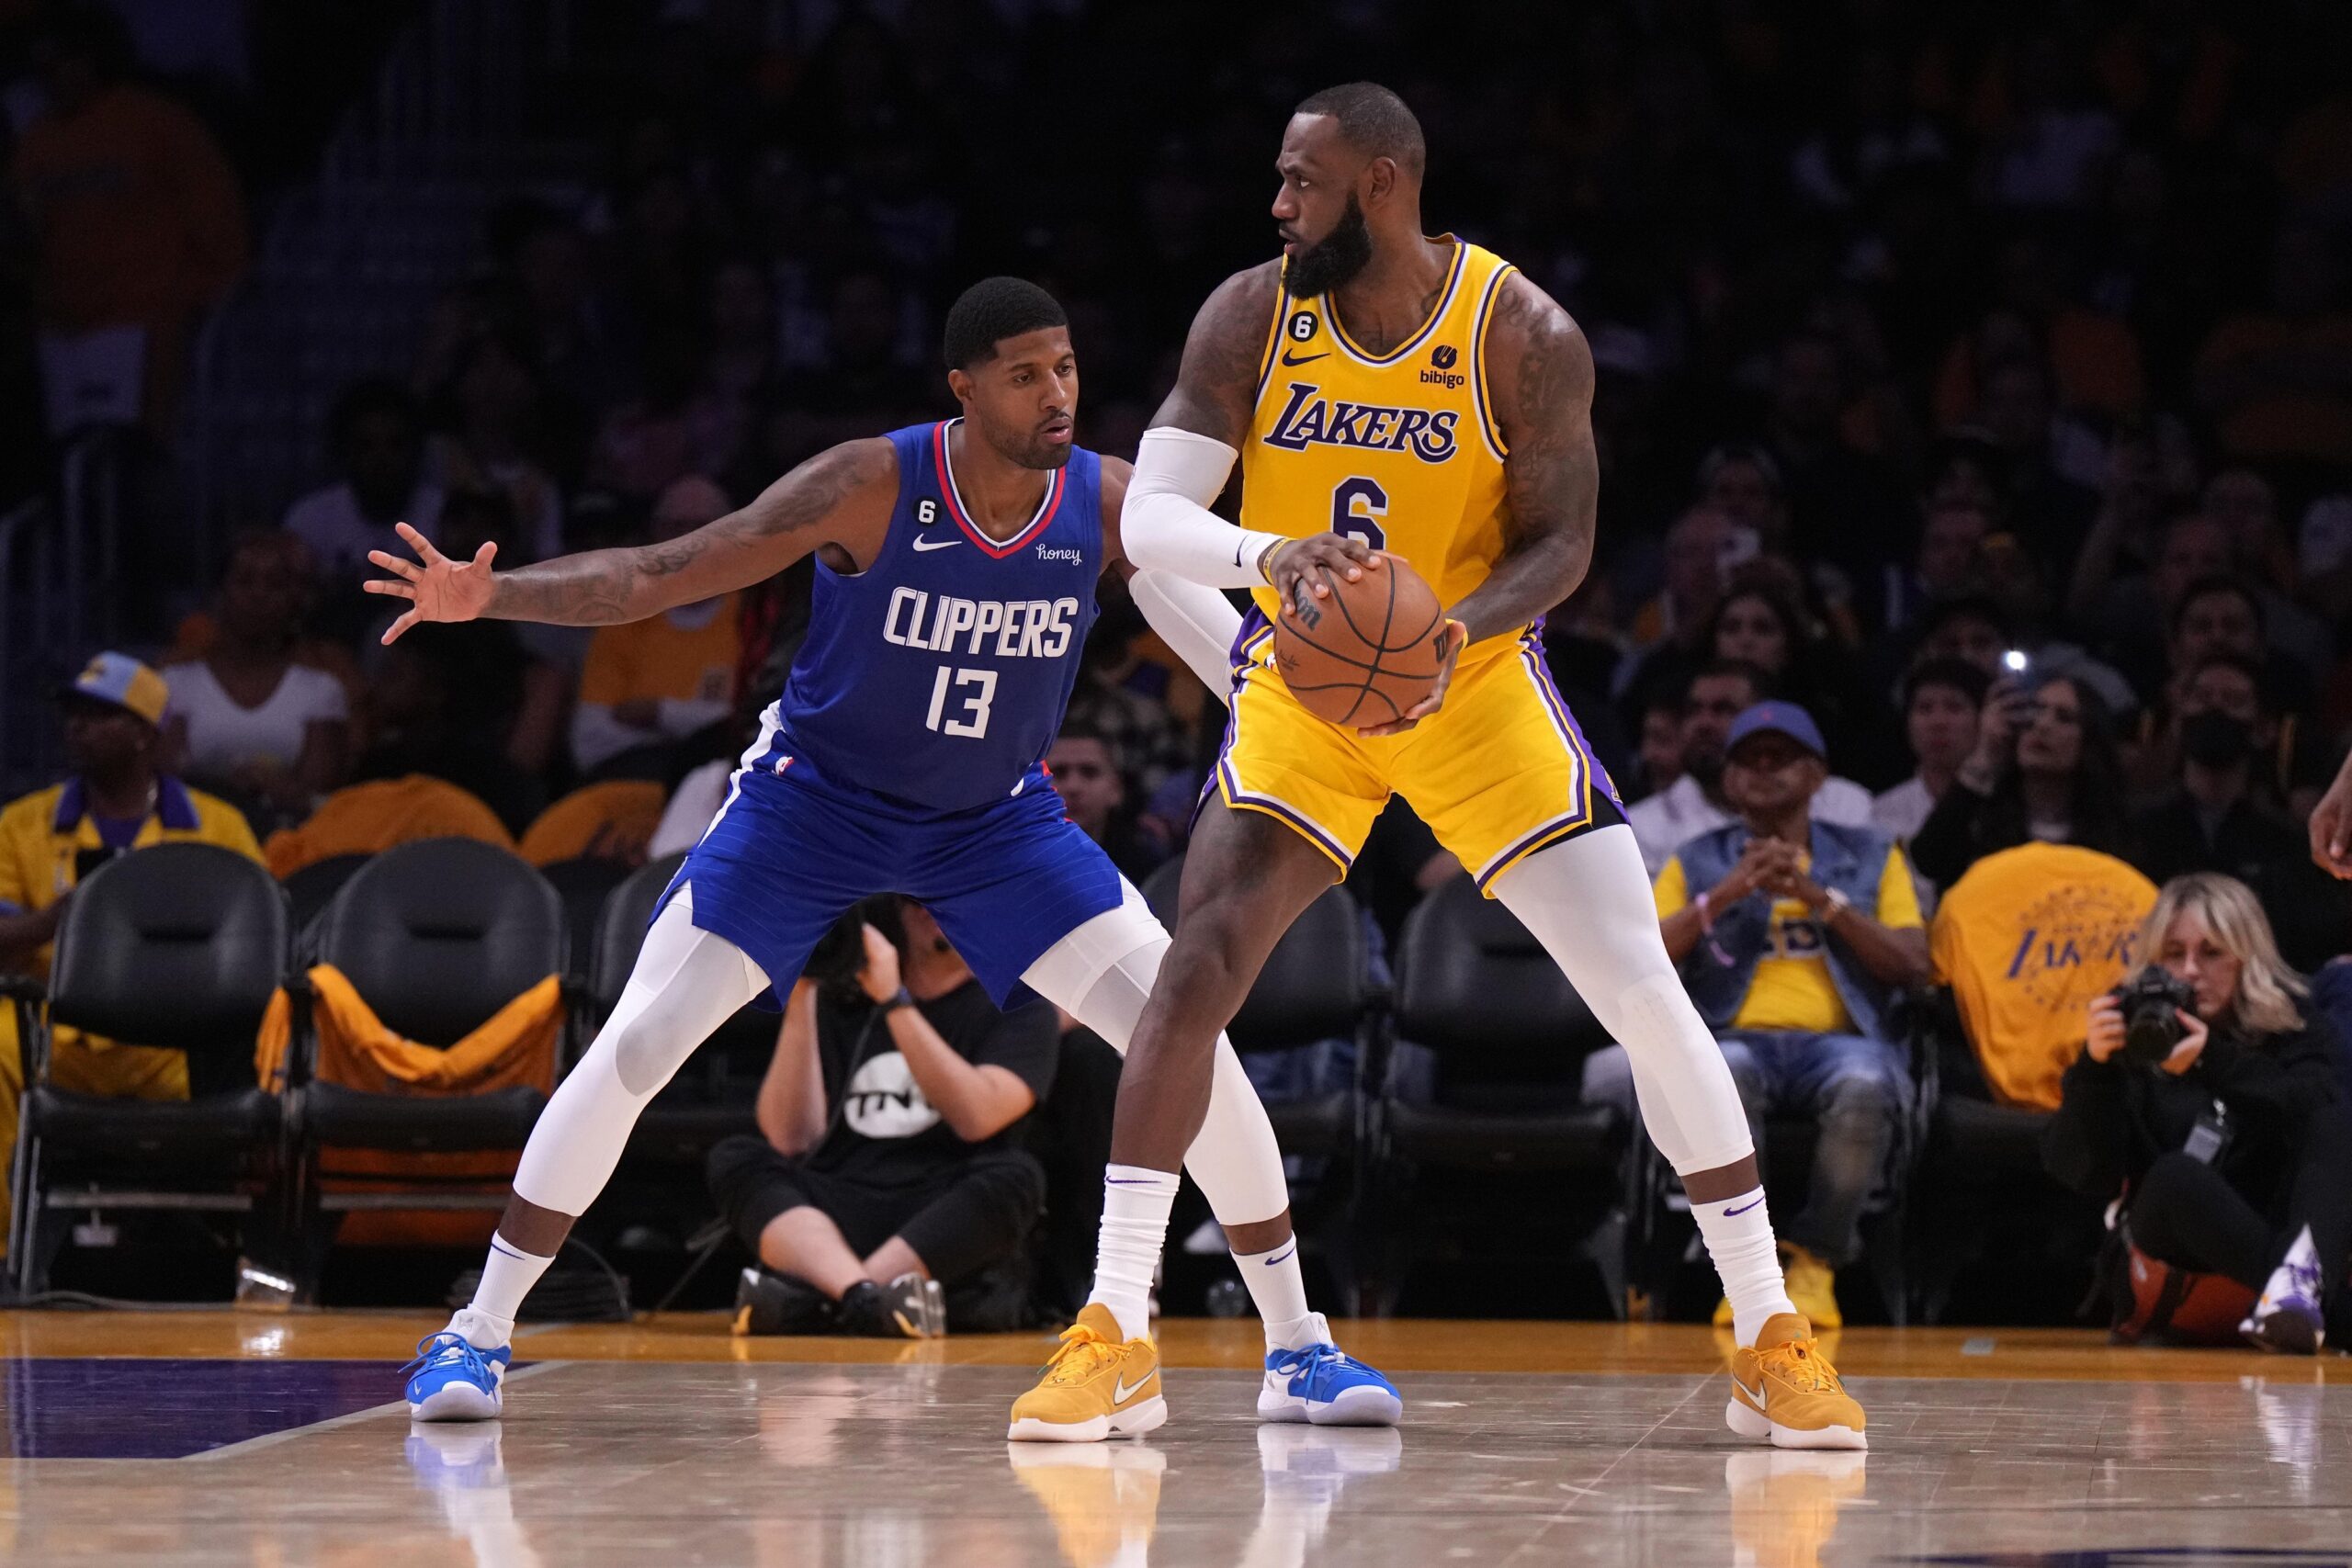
(1792, 988)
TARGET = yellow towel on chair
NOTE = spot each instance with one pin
(515, 1046)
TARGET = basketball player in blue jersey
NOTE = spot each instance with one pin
(955, 570)
(1382, 387)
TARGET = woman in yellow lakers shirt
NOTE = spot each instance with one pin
(1385, 390)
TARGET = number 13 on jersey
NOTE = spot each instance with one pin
(975, 720)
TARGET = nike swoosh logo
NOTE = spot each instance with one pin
(1729, 1213)
(1284, 1253)
(1288, 359)
(1755, 1395)
(1122, 1390)
(923, 545)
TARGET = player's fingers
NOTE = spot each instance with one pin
(397, 589)
(392, 632)
(419, 542)
(483, 556)
(393, 564)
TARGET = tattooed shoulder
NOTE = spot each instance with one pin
(1218, 379)
(1540, 368)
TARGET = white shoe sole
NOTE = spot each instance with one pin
(1755, 1424)
(1144, 1416)
(457, 1402)
(1359, 1407)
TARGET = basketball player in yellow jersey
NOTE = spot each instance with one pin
(1385, 390)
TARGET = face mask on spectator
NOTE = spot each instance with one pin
(2215, 740)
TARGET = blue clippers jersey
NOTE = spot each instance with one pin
(938, 675)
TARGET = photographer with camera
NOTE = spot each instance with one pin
(2205, 1099)
(887, 1158)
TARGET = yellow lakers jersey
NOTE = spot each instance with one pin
(1398, 449)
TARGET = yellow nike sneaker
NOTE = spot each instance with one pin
(1783, 1390)
(1096, 1385)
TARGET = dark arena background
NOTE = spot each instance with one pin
(1967, 632)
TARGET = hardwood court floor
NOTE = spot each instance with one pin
(271, 1440)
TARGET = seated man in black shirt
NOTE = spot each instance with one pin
(887, 1158)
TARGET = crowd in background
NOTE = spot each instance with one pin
(1977, 379)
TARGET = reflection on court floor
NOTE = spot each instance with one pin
(902, 1465)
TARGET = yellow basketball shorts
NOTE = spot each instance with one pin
(1499, 773)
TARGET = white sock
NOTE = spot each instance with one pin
(1739, 1238)
(507, 1275)
(1135, 1203)
(1280, 1289)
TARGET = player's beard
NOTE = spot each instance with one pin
(1030, 450)
(1333, 259)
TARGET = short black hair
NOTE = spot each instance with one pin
(989, 311)
(1375, 122)
(1956, 674)
(2265, 691)
(1759, 680)
(2210, 587)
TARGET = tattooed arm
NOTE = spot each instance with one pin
(1216, 383)
(1541, 373)
(839, 501)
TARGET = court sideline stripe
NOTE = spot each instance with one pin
(350, 1418)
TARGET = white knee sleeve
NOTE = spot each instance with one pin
(686, 982)
(1100, 974)
(1588, 902)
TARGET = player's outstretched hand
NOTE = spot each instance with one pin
(436, 588)
(1296, 560)
(1456, 634)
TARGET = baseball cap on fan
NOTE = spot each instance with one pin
(119, 681)
(1777, 718)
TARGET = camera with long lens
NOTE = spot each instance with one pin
(839, 956)
(2153, 1001)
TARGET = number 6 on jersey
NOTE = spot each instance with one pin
(975, 723)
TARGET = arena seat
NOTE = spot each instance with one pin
(312, 887)
(1509, 1033)
(180, 945)
(438, 938)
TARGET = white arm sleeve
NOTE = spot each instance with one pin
(1166, 524)
(1200, 623)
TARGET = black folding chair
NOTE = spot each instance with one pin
(178, 946)
(437, 936)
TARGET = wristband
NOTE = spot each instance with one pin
(1839, 904)
(1706, 915)
(1266, 559)
(905, 998)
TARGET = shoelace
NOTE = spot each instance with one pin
(1083, 1354)
(442, 1350)
(1799, 1361)
(1313, 1360)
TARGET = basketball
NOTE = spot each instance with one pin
(1368, 652)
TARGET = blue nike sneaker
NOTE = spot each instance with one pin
(454, 1380)
(1323, 1384)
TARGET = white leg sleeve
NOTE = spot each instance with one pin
(1588, 901)
(686, 982)
(1100, 974)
